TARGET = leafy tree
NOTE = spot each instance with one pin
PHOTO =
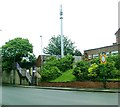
(14, 50)
(54, 46)
(77, 53)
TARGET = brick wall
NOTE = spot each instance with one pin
(81, 84)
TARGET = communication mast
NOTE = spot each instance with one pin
(62, 43)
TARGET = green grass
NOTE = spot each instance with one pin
(115, 79)
(65, 77)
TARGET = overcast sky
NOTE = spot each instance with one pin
(88, 23)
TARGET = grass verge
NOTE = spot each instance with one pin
(65, 77)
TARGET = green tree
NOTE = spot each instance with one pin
(14, 50)
(77, 53)
(54, 46)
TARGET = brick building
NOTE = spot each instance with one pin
(112, 49)
(118, 39)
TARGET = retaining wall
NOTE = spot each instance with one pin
(82, 84)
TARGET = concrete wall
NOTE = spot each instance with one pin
(77, 58)
(8, 78)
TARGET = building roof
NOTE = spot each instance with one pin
(100, 47)
(118, 32)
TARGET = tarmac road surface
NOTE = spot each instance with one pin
(34, 96)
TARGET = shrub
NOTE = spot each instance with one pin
(95, 60)
(101, 71)
(77, 72)
(51, 61)
(117, 74)
(107, 70)
(53, 67)
(50, 74)
(117, 62)
(115, 59)
(92, 71)
(81, 70)
(65, 63)
(50, 70)
(110, 69)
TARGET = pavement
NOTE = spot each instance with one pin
(73, 89)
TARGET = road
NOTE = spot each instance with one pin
(33, 96)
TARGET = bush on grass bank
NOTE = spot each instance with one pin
(54, 67)
(91, 70)
(95, 71)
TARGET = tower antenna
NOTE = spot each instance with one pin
(62, 43)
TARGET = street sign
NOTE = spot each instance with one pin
(103, 58)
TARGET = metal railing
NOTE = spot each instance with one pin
(24, 73)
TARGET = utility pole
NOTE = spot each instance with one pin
(41, 51)
(62, 44)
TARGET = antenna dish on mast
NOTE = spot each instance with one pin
(62, 43)
(61, 13)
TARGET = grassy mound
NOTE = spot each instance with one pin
(65, 77)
